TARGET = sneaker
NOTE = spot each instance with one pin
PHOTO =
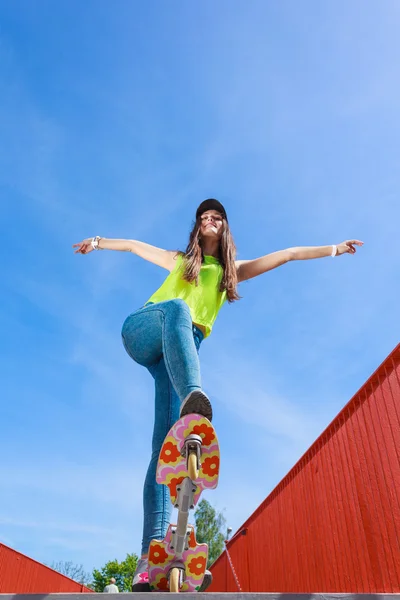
(140, 581)
(197, 402)
(207, 581)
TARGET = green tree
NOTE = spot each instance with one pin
(122, 572)
(73, 571)
(209, 529)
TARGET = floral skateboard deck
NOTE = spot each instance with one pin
(171, 468)
(172, 471)
(161, 557)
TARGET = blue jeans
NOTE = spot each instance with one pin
(162, 338)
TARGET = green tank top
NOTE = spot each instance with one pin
(204, 300)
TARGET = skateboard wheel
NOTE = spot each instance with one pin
(174, 580)
(193, 470)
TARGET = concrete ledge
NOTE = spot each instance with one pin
(207, 596)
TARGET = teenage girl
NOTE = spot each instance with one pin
(165, 334)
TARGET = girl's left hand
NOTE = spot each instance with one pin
(348, 246)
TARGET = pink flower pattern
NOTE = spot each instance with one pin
(194, 577)
(210, 451)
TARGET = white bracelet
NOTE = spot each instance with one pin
(334, 250)
(95, 243)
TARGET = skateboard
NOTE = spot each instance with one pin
(188, 464)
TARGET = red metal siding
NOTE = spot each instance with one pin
(333, 523)
(22, 575)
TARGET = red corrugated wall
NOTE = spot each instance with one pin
(22, 575)
(333, 523)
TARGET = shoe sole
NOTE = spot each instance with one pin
(141, 587)
(206, 581)
(198, 403)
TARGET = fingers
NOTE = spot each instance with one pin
(80, 248)
(350, 245)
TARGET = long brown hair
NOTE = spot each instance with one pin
(193, 258)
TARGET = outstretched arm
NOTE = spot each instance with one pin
(247, 269)
(158, 256)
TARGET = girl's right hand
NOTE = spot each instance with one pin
(83, 247)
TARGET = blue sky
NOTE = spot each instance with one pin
(117, 119)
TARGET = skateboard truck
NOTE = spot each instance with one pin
(191, 450)
(175, 540)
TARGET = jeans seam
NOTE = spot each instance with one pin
(169, 370)
(164, 520)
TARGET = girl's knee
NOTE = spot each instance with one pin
(126, 326)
